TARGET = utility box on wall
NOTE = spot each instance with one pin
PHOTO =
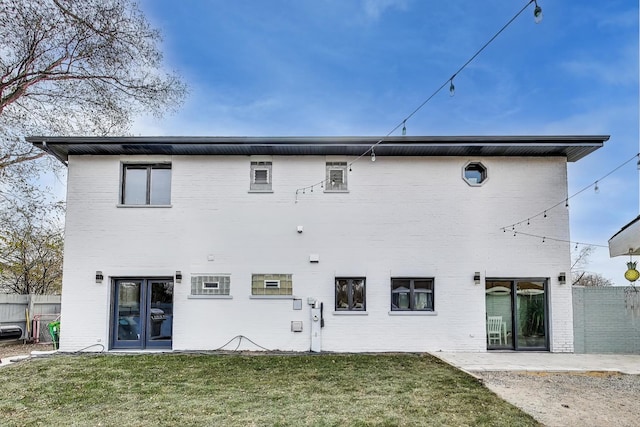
(296, 326)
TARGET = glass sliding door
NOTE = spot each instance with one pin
(142, 314)
(517, 315)
(499, 297)
(531, 314)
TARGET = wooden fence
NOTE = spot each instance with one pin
(39, 309)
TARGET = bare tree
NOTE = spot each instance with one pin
(579, 275)
(71, 67)
(31, 243)
(593, 279)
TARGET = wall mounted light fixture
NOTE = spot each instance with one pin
(178, 276)
(99, 277)
(562, 278)
(476, 277)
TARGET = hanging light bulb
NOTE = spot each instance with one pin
(404, 128)
(350, 168)
(545, 214)
(537, 13)
(528, 222)
(452, 88)
(566, 203)
(373, 155)
(596, 188)
(543, 239)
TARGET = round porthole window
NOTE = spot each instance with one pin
(474, 173)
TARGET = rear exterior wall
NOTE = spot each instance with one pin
(401, 217)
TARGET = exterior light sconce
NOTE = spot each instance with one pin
(476, 277)
(99, 277)
(562, 278)
(178, 276)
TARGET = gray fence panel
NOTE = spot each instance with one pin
(602, 322)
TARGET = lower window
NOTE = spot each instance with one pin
(350, 293)
(412, 294)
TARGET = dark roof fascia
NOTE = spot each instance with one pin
(574, 147)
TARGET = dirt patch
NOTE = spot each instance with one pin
(18, 348)
(570, 399)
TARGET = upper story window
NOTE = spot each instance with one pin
(350, 294)
(260, 176)
(412, 294)
(146, 184)
(336, 179)
(474, 173)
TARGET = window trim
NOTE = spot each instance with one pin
(350, 304)
(483, 174)
(411, 308)
(336, 166)
(260, 187)
(148, 167)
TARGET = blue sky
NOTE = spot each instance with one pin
(359, 67)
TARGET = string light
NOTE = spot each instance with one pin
(373, 154)
(537, 13)
(546, 238)
(450, 81)
(566, 200)
(404, 128)
(596, 189)
(452, 88)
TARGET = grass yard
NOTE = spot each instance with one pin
(295, 390)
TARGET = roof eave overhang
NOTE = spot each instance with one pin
(571, 147)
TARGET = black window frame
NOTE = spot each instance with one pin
(412, 293)
(148, 167)
(351, 305)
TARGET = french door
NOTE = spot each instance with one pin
(142, 314)
(517, 315)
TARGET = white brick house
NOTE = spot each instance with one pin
(184, 243)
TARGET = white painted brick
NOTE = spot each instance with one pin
(401, 217)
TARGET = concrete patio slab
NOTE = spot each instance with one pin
(543, 361)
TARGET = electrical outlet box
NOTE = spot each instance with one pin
(296, 326)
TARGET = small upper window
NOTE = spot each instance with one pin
(260, 176)
(474, 173)
(350, 294)
(146, 184)
(336, 179)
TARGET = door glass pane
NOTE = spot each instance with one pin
(498, 297)
(531, 315)
(128, 311)
(160, 186)
(161, 311)
(135, 186)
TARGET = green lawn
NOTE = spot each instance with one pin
(192, 389)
